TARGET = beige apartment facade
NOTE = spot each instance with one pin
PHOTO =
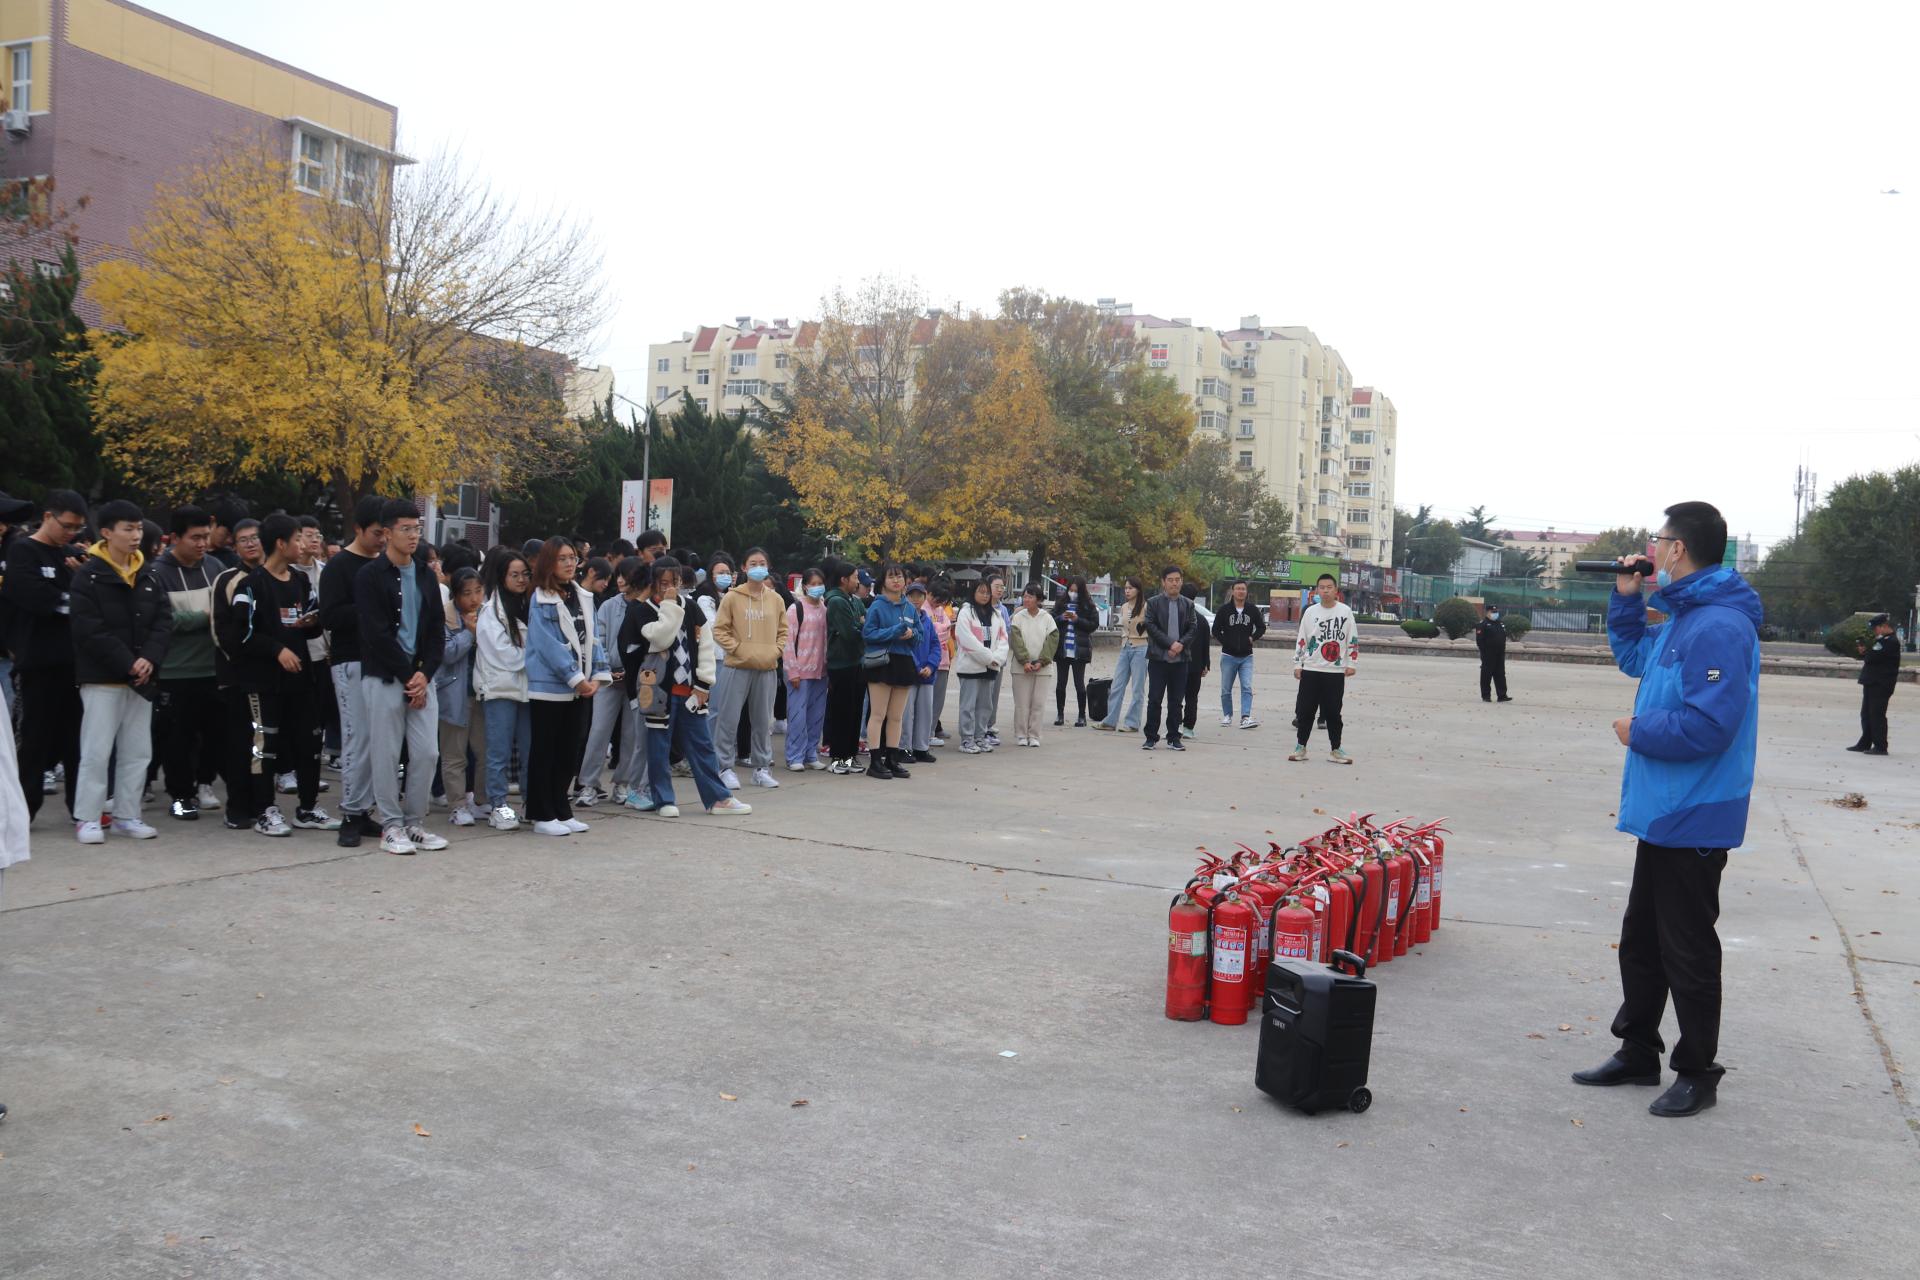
(725, 367)
(1558, 546)
(1373, 427)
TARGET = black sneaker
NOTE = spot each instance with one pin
(236, 822)
(1148, 745)
(348, 837)
(1861, 746)
(924, 757)
(185, 810)
(1176, 745)
(369, 825)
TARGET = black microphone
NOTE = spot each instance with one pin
(1640, 565)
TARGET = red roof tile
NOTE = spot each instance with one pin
(809, 330)
(704, 342)
(1363, 395)
(746, 342)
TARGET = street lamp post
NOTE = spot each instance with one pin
(646, 447)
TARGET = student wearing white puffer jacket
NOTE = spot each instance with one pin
(500, 674)
(980, 654)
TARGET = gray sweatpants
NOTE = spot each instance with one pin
(993, 704)
(356, 778)
(940, 694)
(389, 723)
(753, 690)
(113, 718)
(611, 707)
(976, 697)
(916, 726)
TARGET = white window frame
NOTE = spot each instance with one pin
(1360, 488)
(1361, 411)
(702, 377)
(357, 189)
(301, 163)
(1246, 395)
(467, 502)
(741, 387)
(1245, 461)
(19, 92)
(663, 365)
(1359, 464)
(1360, 515)
(661, 393)
(1359, 437)
(779, 359)
(1246, 428)
(738, 360)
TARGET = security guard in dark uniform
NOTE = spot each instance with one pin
(1491, 636)
(1879, 671)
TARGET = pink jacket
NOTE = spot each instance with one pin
(942, 627)
(806, 650)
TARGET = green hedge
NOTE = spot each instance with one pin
(1420, 628)
(1455, 616)
(1845, 638)
(1518, 624)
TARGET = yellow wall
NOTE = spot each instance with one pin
(156, 48)
(24, 20)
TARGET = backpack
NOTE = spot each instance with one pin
(232, 613)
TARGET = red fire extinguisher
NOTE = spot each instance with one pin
(1186, 960)
(1293, 932)
(1233, 947)
(1439, 856)
(1422, 893)
(1339, 916)
(1318, 898)
(1402, 864)
(1265, 893)
(1372, 912)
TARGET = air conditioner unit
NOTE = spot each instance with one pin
(16, 122)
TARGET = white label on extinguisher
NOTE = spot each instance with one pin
(1393, 898)
(1423, 894)
(1229, 955)
(1260, 932)
(1436, 876)
(1292, 946)
(1186, 944)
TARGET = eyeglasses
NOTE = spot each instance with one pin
(1666, 537)
(74, 526)
(566, 557)
(404, 530)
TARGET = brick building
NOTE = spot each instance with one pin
(111, 101)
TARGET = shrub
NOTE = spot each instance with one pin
(1455, 616)
(1518, 624)
(1769, 632)
(1420, 628)
(1845, 638)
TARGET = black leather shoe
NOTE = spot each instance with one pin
(897, 761)
(1687, 1096)
(877, 766)
(1619, 1070)
(1059, 720)
(1874, 751)
(1505, 699)
(1861, 746)
(924, 757)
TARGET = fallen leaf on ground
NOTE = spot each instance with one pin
(1579, 1124)
(798, 1102)
(419, 1132)
(1851, 800)
(1463, 1108)
(224, 1080)
(1338, 1145)
(1535, 1035)
(728, 1097)
(1566, 1026)
(157, 1119)
(1756, 1177)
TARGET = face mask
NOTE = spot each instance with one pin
(1494, 616)
(1663, 578)
(757, 572)
(723, 580)
(816, 591)
(699, 576)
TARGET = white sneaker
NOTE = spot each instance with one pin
(780, 727)
(797, 768)
(205, 801)
(1019, 739)
(286, 784)
(1033, 742)
(682, 769)
(394, 840)
(730, 806)
(133, 829)
(765, 778)
(463, 817)
(503, 819)
(620, 794)
(668, 811)
(729, 779)
(1226, 722)
(587, 798)
(574, 825)
(271, 823)
(936, 741)
(89, 833)
(425, 839)
(1248, 722)
(315, 819)
(551, 829)
(968, 747)
(818, 766)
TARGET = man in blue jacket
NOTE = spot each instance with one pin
(1689, 772)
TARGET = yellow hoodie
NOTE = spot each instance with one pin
(750, 628)
(127, 572)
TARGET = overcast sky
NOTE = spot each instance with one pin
(1601, 263)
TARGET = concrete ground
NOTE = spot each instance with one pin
(230, 1056)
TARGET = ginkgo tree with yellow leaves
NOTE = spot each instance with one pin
(406, 343)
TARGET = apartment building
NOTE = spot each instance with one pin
(726, 367)
(111, 101)
(1373, 428)
(1557, 546)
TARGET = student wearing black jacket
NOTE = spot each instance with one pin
(121, 621)
(1173, 628)
(1078, 618)
(1879, 673)
(340, 619)
(1490, 637)
(39, 576)
(403, 633)
(1199, 660)
(1236, 627)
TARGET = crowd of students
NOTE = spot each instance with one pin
(251, 651)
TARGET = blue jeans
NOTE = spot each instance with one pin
(1231, 668)
(690, 733)
(509, 725)
(1129, 675)
(806, 714)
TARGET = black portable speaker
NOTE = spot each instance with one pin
(1316, 1034)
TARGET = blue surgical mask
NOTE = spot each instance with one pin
(723, 580)
(756, 573)
(1663, 579)
(817, 590)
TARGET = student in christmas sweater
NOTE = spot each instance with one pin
(1323, 656)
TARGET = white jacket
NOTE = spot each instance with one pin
(979, 648)
(1328, 639)
(13, 806)
(661, 631)
(499, 665)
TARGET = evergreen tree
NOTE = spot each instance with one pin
(46, 380)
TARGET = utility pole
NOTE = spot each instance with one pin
(1806, 485)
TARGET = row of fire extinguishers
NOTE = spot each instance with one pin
(1371, 890)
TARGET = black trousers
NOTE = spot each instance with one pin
(1493, 674)
(249, 740)
(1196, 676)
(846, 688)
(552, 758)
(1873, 713)
(187, 721)
(1668, 946)
(1170, 679)
(1079, 677)
(297, 722)
(1319, 696)
(49, 730)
